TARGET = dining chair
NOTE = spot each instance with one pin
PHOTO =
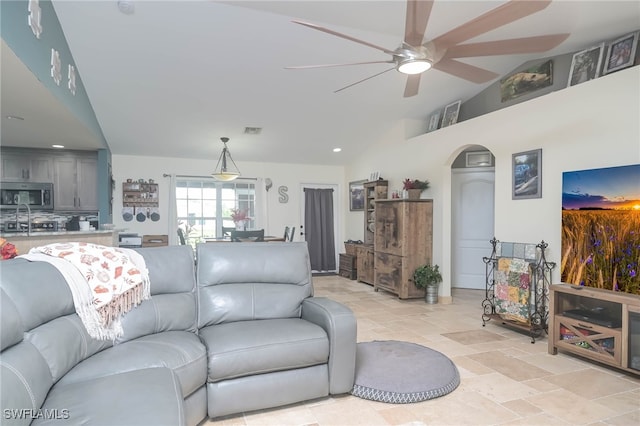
(246, 236)
(291, 234)
(226, 230)
(286, 233)
(181, 237)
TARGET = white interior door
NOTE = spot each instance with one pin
(336, 208)
(472, 210)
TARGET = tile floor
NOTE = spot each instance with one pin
(505, 380)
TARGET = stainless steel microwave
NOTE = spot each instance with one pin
(37, 196)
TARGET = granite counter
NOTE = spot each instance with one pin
(24, 242)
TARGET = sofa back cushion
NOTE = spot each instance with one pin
(172, 306)
(248, 281)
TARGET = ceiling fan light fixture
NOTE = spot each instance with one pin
(414, 66)
(226, 169)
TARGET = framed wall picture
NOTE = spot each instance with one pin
(526, 81)
(434, 121)
(621, 53)
(527, 175)
(586, 64)
(356, 195)
(450, 115)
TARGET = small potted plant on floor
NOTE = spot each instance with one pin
(414, 187)
(428, 277)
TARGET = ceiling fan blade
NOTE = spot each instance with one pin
(364, 79)
(465, 71)
(412, 86)
(507, 47)
(418, 12)
(345, 36)
(496, 18)
(304, 67)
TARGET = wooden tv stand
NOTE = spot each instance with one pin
(595, 324)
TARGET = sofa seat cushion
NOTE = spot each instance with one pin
(245, 348)
(150, 396)
(181, 351)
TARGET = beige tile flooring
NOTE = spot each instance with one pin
(505, 380)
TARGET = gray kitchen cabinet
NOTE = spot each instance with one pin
(25, 167)
(76, 183)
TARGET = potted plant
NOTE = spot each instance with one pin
(414, 187)
(428, 277)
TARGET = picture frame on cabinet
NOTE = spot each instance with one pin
(586, 65)
(526, 172)
(621, 53)
(434, 121)
(356, 195)
(450, 115)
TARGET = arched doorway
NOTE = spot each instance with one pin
(472, 216)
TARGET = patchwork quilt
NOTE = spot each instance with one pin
(513, 289)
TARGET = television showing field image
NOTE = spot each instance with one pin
(601, 228)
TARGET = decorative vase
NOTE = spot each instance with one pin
(414, 194)
(241, 225)
(431, 294)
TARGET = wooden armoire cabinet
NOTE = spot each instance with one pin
(403, 241)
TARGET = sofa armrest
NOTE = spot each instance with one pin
(339, 323)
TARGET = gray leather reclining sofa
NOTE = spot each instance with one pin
(236, 331)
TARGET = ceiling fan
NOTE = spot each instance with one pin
(414, 56)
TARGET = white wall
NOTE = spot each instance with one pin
(591, 125)
(279, 214)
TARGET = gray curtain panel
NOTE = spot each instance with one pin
(318, 224)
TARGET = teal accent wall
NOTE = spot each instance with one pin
(36, 55)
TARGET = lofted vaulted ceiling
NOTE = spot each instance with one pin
(173, 77)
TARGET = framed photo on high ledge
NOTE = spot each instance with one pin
(450, 115)
(586, 64)
(621, 53)
(356, 195)
(527, 175)
(434, 121)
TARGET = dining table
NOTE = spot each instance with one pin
(267, 239)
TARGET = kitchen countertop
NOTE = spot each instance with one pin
(12, 235)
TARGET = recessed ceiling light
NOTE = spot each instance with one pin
(126, 7)
(252, 130)
(57, 146)
(15, 117)
(337, 149)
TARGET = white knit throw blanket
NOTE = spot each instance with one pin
(105, 282)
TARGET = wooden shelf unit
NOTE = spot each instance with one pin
(136, 194)
(603, 334)
(365, 263)
(374, 191)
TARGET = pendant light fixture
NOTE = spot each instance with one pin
(226, 169)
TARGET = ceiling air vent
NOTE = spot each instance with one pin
(479, 159)
(252, 130)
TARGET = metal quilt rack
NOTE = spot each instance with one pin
(540, 271)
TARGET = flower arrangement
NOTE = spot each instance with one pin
(7, 250)
(237, 215)
(415, 184)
